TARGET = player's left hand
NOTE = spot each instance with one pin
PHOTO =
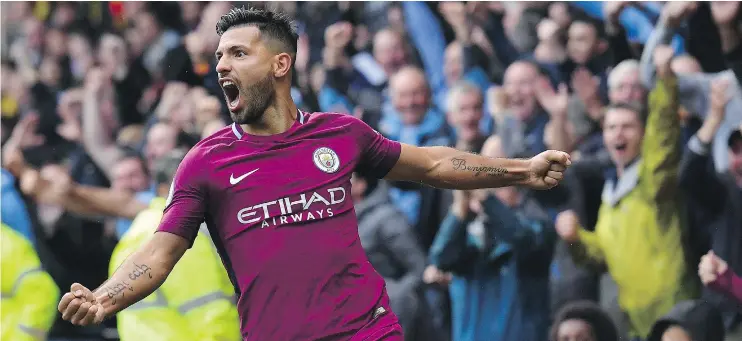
(547, 169)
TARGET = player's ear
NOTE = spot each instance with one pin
(282, 65)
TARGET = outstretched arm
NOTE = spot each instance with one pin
(137, 277)
(106, 201)
(445, 167)
(54, 186)
(142, 272)
(147, 268)
(660, 152)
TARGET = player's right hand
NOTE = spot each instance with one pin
(80, 307)
(566, 226)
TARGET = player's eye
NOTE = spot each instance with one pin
(239, 54)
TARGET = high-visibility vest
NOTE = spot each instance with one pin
(196, 302)
(29, 296)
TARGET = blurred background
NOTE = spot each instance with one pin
(103, 98)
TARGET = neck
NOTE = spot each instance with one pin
(621, 168)
(277, 118)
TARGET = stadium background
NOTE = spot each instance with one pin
(109, 89)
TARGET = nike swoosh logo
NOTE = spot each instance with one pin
(233, 181)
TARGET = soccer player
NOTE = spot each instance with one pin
(274, 190)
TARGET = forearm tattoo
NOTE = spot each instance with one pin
(460, 165)
(117, 289)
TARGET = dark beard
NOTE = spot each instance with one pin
(257, 99)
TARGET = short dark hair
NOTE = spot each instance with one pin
(274, 25)
(130, 153)
(592, 314)
(185, 140)
(582, 17)
(633, 107)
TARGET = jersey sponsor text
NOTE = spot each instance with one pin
(294, 209)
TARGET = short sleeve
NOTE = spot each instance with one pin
(186, 202)
(378, 153)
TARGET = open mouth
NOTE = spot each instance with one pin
(620, 147)
(231, 93)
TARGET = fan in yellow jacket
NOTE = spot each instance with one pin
(29, 295)
(639, 233)
(197, 293)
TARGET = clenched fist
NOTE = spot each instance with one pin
(711, 267)
(567, 225)
(547, 169)
(80, 307)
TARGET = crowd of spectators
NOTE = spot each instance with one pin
(643, 240)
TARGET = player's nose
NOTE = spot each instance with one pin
(223, 67)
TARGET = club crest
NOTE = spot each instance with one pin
(326, 160)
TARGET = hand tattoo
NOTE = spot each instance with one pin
(460, 165)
